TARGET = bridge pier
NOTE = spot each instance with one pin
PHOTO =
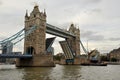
(36, 61)
(77, 61)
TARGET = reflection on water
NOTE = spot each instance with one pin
(52, 73)
(65, 72)
(60, 72)
(37, 73)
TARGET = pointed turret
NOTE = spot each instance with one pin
(26, 15)
(71, 29)
(36, 9)
(78, 29)
(44, 13)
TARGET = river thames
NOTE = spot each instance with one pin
(60, 72)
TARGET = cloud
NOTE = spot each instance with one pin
(111, 8)
(0, 2)
(90, 35)
(91, 1)
(114, 39)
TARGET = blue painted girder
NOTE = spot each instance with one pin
(15, 56)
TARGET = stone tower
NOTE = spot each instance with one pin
(74, 42)
(35, 42)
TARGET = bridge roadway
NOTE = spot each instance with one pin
(58, 32)
(13, 55)
(66, 49)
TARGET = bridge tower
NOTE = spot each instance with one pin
(34, 43)
(36, 40)
(74, 42)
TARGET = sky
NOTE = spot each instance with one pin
(98, 20)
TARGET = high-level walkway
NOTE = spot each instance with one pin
(57, 31)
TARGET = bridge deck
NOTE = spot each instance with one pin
(15, 56)
(66, 49)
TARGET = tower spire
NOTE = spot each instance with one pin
(26, 15)
(44, 12)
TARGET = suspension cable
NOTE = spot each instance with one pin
(18, 37)
(83, 47)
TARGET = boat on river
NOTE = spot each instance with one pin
(94, 64)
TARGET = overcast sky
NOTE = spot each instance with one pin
(98, 20)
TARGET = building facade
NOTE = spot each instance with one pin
(115, 54)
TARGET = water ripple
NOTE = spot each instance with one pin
(60, 72)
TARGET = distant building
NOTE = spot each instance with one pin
(115, 54)
(7, 48)
(94, 56)
(50, 50)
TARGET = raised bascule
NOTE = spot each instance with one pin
(36, 45)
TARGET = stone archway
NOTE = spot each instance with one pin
(30, 50)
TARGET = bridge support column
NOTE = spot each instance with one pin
(74, 44)
(36, 61)
(77, 61)
(35, 42)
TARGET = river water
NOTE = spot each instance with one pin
(60, 72)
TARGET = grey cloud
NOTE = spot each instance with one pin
(114, 39)
(90, 35)
(0, 2)
(86, 33)
(95, 0)
(92, 1)
(97, 37)
(97, 10)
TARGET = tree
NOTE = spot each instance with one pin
(104, 58)
(113, 59)
(58, 58)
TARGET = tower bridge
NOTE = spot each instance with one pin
(36, 44)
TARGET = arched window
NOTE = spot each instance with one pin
(30, 50)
